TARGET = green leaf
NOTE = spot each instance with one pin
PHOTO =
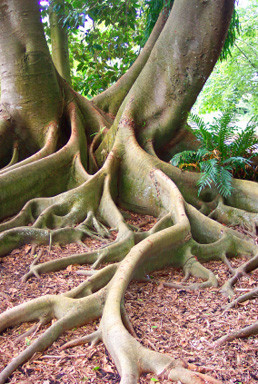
(154, 379)
(96, 368)
(98, 46)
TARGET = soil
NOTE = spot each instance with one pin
(177, 322)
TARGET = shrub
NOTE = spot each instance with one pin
(225, 152)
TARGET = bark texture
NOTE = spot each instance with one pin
(59, 41)
(69, 165)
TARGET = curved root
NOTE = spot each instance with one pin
(183, 237)
(250, 330)
(253, 294)
(48, 149)
(247, 267)
(235, 216)
(94, 338)
(114, 252)
(68, 312)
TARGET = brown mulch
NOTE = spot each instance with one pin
(178, 322)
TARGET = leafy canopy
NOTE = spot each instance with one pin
(105, 37)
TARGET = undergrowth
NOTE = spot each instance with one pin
(225, 152)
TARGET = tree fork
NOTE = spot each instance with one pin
(74, 185)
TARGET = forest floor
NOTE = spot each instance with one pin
(177, 322)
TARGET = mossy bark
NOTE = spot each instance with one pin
(80, 162)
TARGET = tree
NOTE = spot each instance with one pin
(69, 165)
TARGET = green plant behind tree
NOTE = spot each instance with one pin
(237, 75)
(225, 152)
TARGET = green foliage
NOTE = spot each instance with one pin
(105, 37)
(104, 40)
(235, 79)
(233, 32)
(225, 151)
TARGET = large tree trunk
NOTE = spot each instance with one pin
(73, 164)
(30, 93)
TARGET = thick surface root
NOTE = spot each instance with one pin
(250, 330)
(69, 312)
(235, 216)
(183, 237)
(247, 267)
(72, 186)
(253, 294)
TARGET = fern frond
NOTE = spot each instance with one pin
(236, 161)
(224, 151)
(183, 157)
(222, 130)
(233, 31)
(201, 132)
(245, 141)
(223, 180)
(202, 153)
(208, 169)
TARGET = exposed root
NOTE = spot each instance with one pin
(14, 158)
(93, 166)
(250, 330)
(227, 262)
(114, 252)
(94, 283)
(43, 342)
(91, 222)
(94, 338)
(247, 267)
(34, 271)
(244, 196)
(57, 197)
(48, 149)
(176, 372)
(234, 216)
(68, 312)
(33, 330)
(193, 267)
(183, 237)
(126, 321)
(45, 177)
(253, 294)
